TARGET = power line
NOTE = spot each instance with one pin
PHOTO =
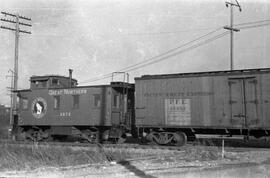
(182, 51)
(165, 32)
(255, 26)
(108, 75)
(202, 43)
(98, 78)
(14, 15)
(171, 55)
(173, 49)
(160, 57)
(145, 33)
(124, 34)
(254, 22)
(152, 58)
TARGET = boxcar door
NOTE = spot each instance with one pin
(251, 102)
(243, 102)
(236, 102)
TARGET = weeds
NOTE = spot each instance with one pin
(32, 157)
(15, 157)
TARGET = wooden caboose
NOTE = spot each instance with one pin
(55, 107)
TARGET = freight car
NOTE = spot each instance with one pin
(172, 108)
(55, 107)
(166, 109)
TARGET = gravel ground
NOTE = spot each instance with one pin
(195, 162)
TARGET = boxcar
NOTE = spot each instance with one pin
(171, 108)
(55, 106)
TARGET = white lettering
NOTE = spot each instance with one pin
(65, 114)
(67, 92)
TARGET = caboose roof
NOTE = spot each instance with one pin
(203, 74)
(112, 84)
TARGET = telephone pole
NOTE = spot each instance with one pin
(231, 27)
(10, 93)
(17, 20)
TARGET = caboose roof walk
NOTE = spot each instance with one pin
(203, 74)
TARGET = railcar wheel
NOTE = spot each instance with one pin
(47, 136)
(180, 139)
(33, 135)
(122, 139)
(105, 135)
(91, 136)
(162, 138)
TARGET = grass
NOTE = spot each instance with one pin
(22, 158)
(27, 158)
(16, 157)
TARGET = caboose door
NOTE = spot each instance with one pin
(243, 101)
(116, 109)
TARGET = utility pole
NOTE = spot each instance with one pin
(10, 94)
(17, 20)
(231, 27)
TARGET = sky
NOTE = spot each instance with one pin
(98, 37)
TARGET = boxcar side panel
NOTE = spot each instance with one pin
(178, 101)
(222, 101)
(265, 100)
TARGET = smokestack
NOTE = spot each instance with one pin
(70, 77)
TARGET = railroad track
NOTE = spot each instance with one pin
(133, 146)
(93, 145)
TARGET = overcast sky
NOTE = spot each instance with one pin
(99, 37)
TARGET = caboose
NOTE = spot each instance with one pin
(171, 108)
(56, 107)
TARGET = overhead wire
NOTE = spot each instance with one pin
(253, 22)
(150, 33)
(242, 24)
(182, 51)
(152, 58)
(172, 52)
(163, 56)
(205, 42)
(255, 26)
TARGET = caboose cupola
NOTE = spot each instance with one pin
(51, 81)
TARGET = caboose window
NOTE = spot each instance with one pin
(56, 102)
(24, 103)
(97, 100)
(44, 84)
(116, 101)
(55, 82)
(76, 101)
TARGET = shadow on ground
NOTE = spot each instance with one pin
(134, 170)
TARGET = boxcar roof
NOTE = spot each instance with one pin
(203, 74)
